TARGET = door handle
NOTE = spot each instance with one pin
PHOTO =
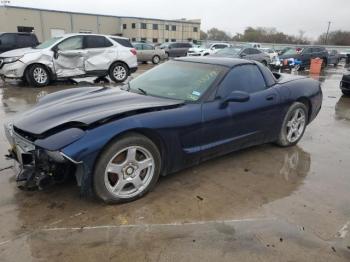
(270, 97)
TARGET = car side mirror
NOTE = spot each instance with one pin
(55, 52)
(236, 96)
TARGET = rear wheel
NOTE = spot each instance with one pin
(37, 75)
(127, 169)
(156, 60)
(294, 125)
(119, 72)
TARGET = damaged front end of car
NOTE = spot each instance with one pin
(38, 162)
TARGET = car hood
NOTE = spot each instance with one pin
(81, 107)
(20, 52)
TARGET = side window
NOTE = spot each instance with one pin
(247, 78)
(72, 43)
(25, 41)
(138, 46)
(307, 51)
(123, 42)
(95, 41)
(147, 47)
(248, 51)
(8, 40)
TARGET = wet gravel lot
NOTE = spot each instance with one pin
(260, 204)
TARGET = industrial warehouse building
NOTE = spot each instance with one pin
(49, 23)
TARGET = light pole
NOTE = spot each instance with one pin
(329, 26)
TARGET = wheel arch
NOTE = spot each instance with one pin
(49, 69)
(148, 133)
(122, 62)
(304, 100)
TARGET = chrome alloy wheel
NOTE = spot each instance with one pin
(296, 125)
(129, 172)
(119, 73)
(40, 75)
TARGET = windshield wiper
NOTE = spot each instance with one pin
(142, 91)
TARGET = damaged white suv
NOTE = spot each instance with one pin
(71, 56)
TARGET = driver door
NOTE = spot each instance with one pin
(230, 126)
(69, 57)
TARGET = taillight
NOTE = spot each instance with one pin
(133, 51)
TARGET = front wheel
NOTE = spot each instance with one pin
(156, 60)
(119, 72)
(127, 169)
(294, 125)
(37, 75)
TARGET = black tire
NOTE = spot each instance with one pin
(346, 93)
(155, 59)
(206, 54)
(282, 139)
(119, 72)
(37, 75)
(109, 154)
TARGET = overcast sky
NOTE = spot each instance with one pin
(233, 16)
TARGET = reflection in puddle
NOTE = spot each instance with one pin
(342, 108)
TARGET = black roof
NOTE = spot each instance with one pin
(221, 61)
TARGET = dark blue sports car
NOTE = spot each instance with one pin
(118, 141)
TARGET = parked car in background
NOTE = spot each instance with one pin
(333, 57)
(345, 84)
(248, 53)
(272, 53)
(11, 41)
(71, 56)
(207, 50)
(302, 56)
(147, 52)
(117, 142)
(283, 50)
(176, 49)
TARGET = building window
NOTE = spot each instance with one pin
(124, 26)
(173, 40)
(173, 28)
(133, 25)
(143, 26)
(133, 39)
(155, 40)
(155, 27)
(167, 27)
(195, 29)
(143, 39)
(25, 29)
(166, 39)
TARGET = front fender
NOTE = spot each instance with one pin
(94, 140)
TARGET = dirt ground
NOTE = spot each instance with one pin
(260, 204)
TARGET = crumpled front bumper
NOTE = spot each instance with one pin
(36, 167)
(12, 70)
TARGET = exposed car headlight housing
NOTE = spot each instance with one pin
(9, 132)
(13, 59)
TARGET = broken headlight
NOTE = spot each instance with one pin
(8, 60)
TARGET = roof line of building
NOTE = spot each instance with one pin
(116, 16)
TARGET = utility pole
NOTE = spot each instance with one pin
(329, 26)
